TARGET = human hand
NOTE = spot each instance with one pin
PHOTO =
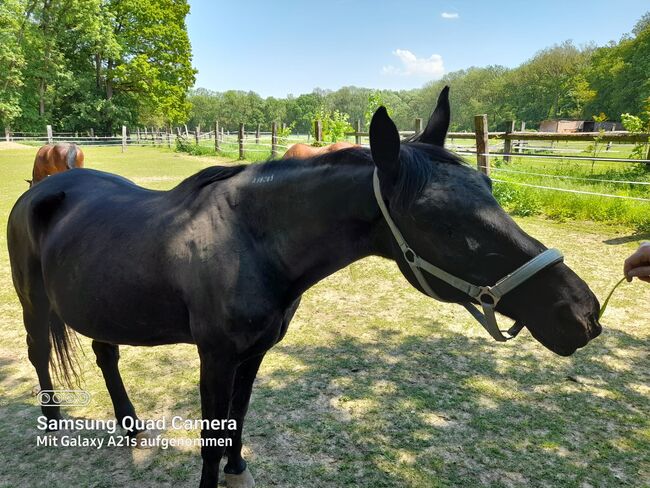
(638, 264)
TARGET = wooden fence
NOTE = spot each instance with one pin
(512, 140)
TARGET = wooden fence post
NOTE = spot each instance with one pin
(50, 137)
(241, 141)
(318, 131)
(92, 133)
(7, 134)
(520, 144)
(418, 125)
(169, 136)
(186, 133)
(197, 134)
(481, 132)
(507, 142)
(274, 139)
(123, 138)
(216, 136)
(257, 134)
(357, 136)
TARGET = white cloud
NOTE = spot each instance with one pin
(413, 66)
(449, 15)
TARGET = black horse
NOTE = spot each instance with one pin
(221, 261)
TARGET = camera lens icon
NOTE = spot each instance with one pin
(69, 398)
(43, 398)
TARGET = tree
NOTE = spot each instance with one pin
(94, 63)
(619, 74)
(153, 65)
(550, 84)
(12, 60)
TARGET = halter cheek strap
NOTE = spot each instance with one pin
(487, 296)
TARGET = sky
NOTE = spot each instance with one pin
(276, 48)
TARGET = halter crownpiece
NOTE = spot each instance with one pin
(487, 296)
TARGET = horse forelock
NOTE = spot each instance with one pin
(418, 166)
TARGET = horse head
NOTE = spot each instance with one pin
(447, 214)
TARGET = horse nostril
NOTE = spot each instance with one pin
(596, 329)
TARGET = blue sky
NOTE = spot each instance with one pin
(281, 47)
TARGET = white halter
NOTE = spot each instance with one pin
(487, 296)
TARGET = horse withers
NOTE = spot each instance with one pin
(222, 260)
(55, 158)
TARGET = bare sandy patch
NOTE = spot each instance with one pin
(13, 145)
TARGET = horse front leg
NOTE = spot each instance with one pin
(236, 470)
(216, 385)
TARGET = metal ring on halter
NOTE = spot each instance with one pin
(486, 291)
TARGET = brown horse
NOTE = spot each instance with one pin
(52, 159)
(303, 151)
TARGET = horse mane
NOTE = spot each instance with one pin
(205, 177)
(417, 170)
(419, 163)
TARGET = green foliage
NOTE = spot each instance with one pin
(638, 125)
(595, 147)
(564, 205)
(335, 124)
(375, 100)
(518, 200)
(619, 74)
(283, 133)
(78, 64)
(186, 146)
(12, 60)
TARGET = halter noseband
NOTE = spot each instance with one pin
(487, 296)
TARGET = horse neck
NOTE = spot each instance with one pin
(319, 220)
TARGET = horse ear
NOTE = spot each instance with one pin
(436, 130)
(384, 143)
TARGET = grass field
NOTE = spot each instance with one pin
(374, 385)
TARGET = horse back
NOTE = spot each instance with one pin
(51, 159)
(100, 235)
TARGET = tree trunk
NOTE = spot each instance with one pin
(109, 81)
(98, 72)
(41, 97)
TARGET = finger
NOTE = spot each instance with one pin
(641, 256)
(640, 271)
